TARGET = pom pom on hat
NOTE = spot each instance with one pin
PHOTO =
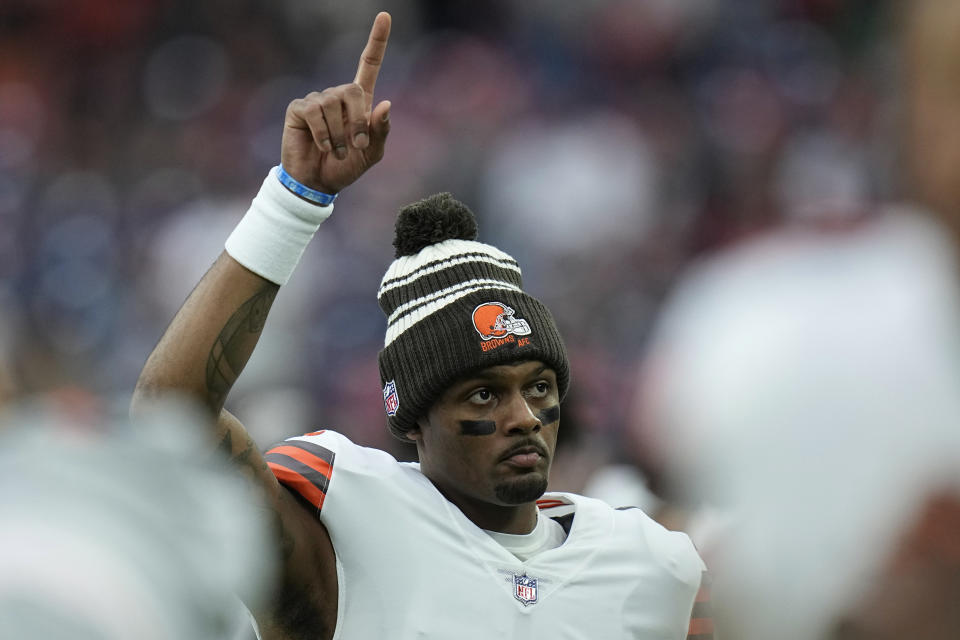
(434, 219)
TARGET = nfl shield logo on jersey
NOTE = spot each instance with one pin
(391, 401)
(525, 589)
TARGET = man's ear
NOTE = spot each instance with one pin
(415, 434)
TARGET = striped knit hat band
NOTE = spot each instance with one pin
(454, 306)
(416, 286)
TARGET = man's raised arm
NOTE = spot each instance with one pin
(330, 139)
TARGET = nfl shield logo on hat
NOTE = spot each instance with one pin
(391, 401)
(525, 589)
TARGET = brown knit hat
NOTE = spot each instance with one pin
(454, 306)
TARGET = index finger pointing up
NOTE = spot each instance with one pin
(372, 55)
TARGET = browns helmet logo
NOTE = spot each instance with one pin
(496, 320)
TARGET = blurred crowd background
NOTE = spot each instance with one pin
(606, 144)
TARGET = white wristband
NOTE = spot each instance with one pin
(275, 231)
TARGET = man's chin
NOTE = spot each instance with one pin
(522, 489)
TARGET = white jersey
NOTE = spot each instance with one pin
(410, 564)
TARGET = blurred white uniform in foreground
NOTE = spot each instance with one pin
(811, 382)
(130, 535)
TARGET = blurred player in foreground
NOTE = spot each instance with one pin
(811, 382)
(123, 533)
(463, 544)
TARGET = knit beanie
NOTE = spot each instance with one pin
(454, 306)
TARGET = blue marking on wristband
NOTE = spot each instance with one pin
(302, 190)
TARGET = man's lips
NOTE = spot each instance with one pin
(524, 456)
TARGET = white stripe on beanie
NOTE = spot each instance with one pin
(408, 266)
(445, 264)
(475, 284)
(406, 322)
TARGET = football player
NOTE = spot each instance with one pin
(464, 543)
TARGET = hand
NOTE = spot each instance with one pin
(332, 137)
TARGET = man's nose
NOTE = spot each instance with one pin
(518, 416)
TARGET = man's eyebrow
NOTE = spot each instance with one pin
(543, 367)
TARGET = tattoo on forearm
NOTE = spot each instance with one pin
(235, 343)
